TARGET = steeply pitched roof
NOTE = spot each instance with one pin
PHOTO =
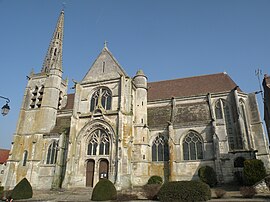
(3, 155)
(184, 87)
(70, 102)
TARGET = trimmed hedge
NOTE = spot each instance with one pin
(104, 191)
(253, 171)
(184, 191)
(23, 190)
(155, 180)
(208, 175)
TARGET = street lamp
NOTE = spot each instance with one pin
(5, 108)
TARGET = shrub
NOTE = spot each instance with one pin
(247, 192)
(267, 181)
(151, 191)
(220, 193)
(253, 171)
(104, 191)
(208, 175)
(1, 192)
(155, 180)
(23, 190)
(184, 191)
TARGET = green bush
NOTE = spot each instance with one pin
(247, 192)
(151, 191)
(23, 190)
(208, 175)
(220, 193)
(253, 171)
(184, 191)
(155, 180)
(104, 191)
(1, 192)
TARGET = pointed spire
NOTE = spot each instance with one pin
(53, 59)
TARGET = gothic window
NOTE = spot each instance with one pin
(245, 120)
(99, 143)
(234, 140)
(101, 98)
(52, 153)
(160, 149)
(192, 146)
(25, 155)
(218, 110)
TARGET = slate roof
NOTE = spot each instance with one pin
(3, 155)
(70, 101)
(183, 87)
(191, 86)
(62, 124)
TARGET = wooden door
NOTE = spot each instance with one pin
(90, 168)
(103, 168)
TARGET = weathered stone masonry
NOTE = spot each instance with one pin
(126, 129)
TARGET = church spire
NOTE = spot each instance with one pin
(53, 59)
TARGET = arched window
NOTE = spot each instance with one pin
(52, 153)
(25, 155)
(99, 143)
(192, 146)
(101, 98)
(218, 110)
(245, 122)
(160, 149)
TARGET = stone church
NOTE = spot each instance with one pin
(127, 129)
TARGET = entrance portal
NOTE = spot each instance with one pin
(90, 173)
(103, 168)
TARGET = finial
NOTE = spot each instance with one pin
(105, 44)
(63, 6)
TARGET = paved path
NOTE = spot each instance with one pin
(84, 194)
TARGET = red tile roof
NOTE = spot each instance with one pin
(3, 155)
(184, 87)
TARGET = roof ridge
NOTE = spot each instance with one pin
(224, 73)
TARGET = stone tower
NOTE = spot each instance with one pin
(141, 149)
(44, 95)
(45, 90)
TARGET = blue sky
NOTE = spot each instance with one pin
(167, 39)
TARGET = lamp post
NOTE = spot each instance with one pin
(5, 108)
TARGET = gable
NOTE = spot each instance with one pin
(105, 67)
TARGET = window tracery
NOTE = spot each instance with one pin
(99, 143)
(52, 153)
(160, 149)
(192, 146)
(101, 98)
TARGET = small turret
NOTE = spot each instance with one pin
(140, 80)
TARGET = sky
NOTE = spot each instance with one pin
(168, 39)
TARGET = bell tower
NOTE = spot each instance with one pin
(45, 90)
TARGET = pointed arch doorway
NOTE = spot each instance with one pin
(90, 169)
(103, 168)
